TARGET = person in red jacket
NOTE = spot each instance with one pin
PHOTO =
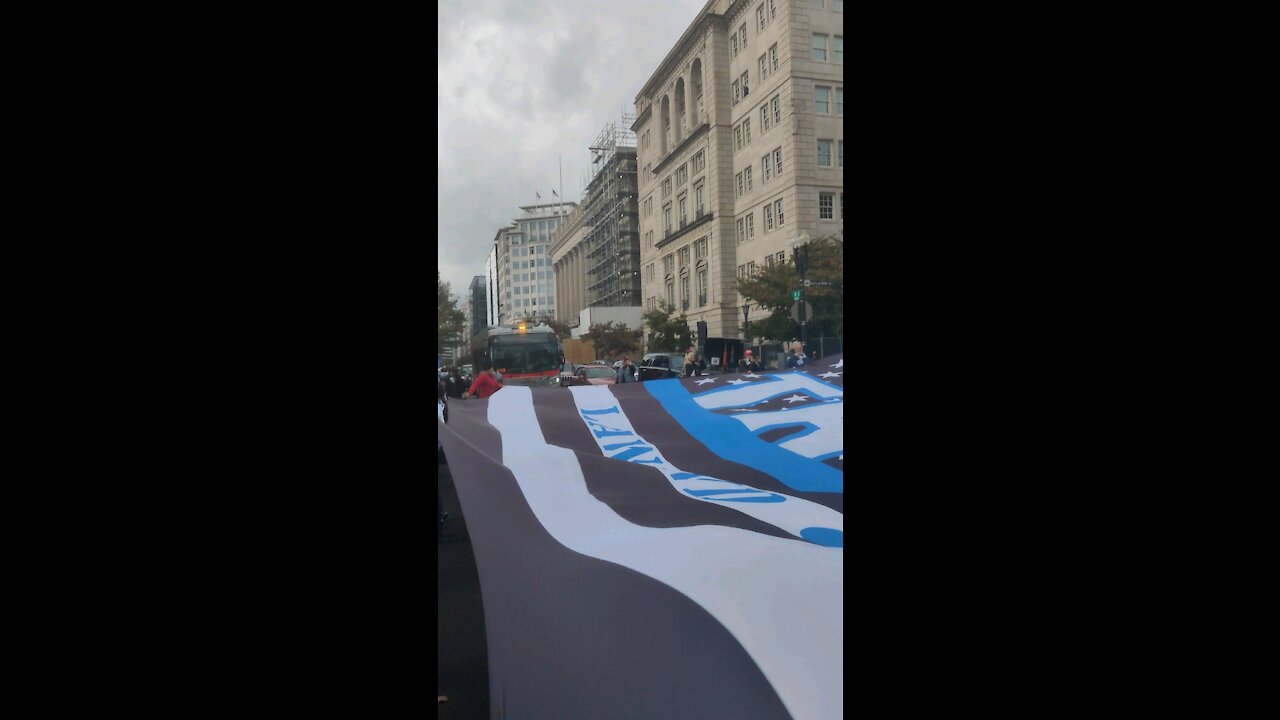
(485, 383)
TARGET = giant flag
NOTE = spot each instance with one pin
(665, 549)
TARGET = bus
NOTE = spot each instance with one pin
(522, 355)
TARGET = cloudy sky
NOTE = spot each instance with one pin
(522, 83)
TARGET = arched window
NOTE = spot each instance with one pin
(681, 110)
(665, 124)
(695, 85)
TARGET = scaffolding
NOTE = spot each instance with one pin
(611, 217)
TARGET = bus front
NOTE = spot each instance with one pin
(526, 356)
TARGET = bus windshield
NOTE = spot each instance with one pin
(513, 354)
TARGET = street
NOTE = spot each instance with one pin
(461, 659)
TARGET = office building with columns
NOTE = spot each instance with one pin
(740, 142)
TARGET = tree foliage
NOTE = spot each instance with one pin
(611, 340)
(449, 319)
(667, 334)
(561, 329)
(772, 287)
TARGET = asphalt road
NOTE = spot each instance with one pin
(462, 661)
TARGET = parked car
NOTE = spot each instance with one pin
(671, 361)
(565, 378)
(595, 375)
(648, 372)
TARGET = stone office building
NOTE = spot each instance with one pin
(741, 151)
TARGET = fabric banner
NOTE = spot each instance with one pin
(665, 549)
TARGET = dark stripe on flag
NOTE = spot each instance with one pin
(574, 637)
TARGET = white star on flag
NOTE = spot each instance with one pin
(744, 410)
(839, 364)
(830, 374)
(737, 382)
(751, 375)
(704, 382)
(796, 398)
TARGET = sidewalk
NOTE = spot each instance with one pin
(462, 662)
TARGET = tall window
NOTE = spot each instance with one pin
(684, 209)
(742, 36)
(699, 161)
(742, 230)
(666, 217)
(839, 101)
(733, 45)
(773, 8)
(746, 131)
(826, 206)
(737, 91)
(702, 287)
(684, 292)
(764, 118)
(745, 77)
(777, 161)
(746, 174)
(671, 295)
(777, 109)
(837, 49)
(668, 264)
(822, 100)
(738, 181)
(737, 138)
(700, 248)
(760, 16)
(683, 254)
(682, 175)
(700, 198)
(764, 68)
(666, 188)
(766, 165)
(768, 217)
(819, 47)
(773, 56)
(751, 226)
(777, 210)
(751, 268)
(824, 153)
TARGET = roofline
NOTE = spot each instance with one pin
(703, 17)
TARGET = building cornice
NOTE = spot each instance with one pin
(666, 240)
(697, 133)
(705, 19)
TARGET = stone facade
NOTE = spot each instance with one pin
(708, 148)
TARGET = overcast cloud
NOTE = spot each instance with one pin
(522, 83)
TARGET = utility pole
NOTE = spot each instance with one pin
(801, 247)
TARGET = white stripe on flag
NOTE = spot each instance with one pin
(782, 599)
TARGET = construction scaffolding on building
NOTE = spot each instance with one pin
(611, 209)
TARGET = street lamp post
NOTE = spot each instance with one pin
(801, 247)
(746, 309)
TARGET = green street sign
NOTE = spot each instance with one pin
(795, 294)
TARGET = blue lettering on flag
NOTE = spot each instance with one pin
(725, 436)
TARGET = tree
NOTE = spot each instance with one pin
(449, 319)
(667, 334)
(771, 288)
(610, 339)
